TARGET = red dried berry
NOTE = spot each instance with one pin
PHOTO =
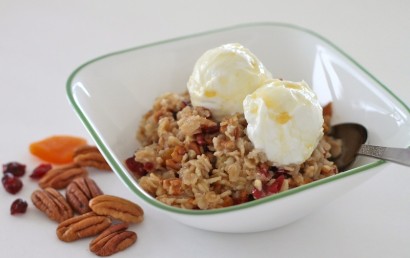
(40, 171)
(136, 167)
(211, 129)
(200, 139)
(276, 186)
(269, 189)
(148, 166)
(17, 169)
(257, 194)
(186, 103)
(18, 206)
(11, 183)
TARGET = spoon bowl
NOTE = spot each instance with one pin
(354, 137)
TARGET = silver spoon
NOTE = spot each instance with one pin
(353, 137)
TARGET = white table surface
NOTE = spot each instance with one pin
(42, 42)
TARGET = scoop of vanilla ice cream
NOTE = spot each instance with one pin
(284, 120)
(223, 76)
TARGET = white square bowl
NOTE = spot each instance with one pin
(112, 92)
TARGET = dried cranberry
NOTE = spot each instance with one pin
(148, 166)
(276, 186)
(18, 206)
(269, 189)
(200, 139)
(211, 129)
(11, 183)
(136, 167)
(257, 194)
(40, 171)
(186, 103)
(17, 169)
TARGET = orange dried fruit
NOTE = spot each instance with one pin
(58, 149)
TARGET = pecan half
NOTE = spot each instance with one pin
(117, 208)
(60, 177)
(52, 203)
(88, 224)
(80, 191)
(113, 240)
(90, 156)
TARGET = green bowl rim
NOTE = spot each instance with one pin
(131, 183)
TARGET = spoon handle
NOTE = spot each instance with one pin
(397, 155)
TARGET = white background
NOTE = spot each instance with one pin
(42, 42)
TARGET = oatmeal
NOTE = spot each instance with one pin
(194, 162)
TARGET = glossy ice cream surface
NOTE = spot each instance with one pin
(223, 76)
(284, 120)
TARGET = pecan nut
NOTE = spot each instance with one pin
(117, 208)
(114, 239)
(60, 177)
(88, 224)
(80, 191)
(52, 203)
(90, 156)
(195, 147)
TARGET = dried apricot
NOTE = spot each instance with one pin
(57, 149)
